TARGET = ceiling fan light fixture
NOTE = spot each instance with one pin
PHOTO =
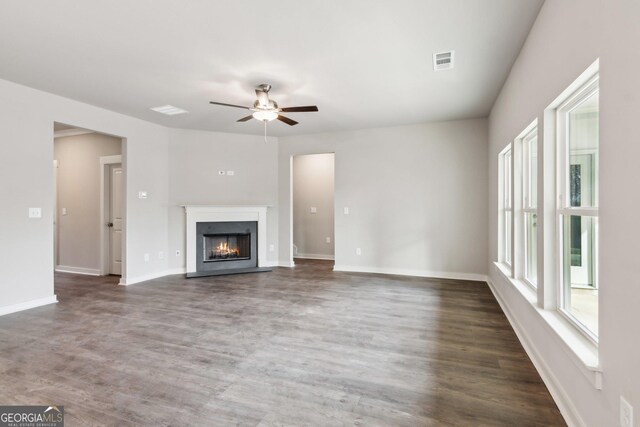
(265, 116)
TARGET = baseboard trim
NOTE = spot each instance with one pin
(411, 272)
(14, 308)
(132, 281)
(315, 256)
(559, 395)
(77, 270)
(286, 264)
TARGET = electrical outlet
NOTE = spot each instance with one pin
(160, 255)
(35, 212)
(146, 257)
(272, 248)
(626, 413)
(328, 239)
(358, 251)
(177, 252)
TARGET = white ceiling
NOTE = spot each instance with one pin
(364, 63)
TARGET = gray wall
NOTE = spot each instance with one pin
(79, 192)
(313, 182)
(417, 197)
(195, 157)
(567, 37)
(26, 245)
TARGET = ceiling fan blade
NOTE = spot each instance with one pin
(299, 109)
(228, 105)
(245, 119)
(287, 120)
(263, 98)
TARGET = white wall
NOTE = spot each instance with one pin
(313, 186)
(79, 171)
(195, 157)
(417, 197)
(566, 38)
(26, 245)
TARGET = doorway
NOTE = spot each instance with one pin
(89, 218)
(313, 206)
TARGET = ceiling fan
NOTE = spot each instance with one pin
(267, 110)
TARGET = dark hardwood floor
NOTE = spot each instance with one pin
(303, 346)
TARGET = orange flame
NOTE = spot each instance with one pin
(224, 249)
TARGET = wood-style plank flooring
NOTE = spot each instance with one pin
(303, 346)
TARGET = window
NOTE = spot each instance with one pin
(551, 255)
(506, 206)
(529, 204)
(577, 210)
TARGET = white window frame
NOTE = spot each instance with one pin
(505, 191)
(527, 206)
(563, 207)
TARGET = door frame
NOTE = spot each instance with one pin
(105, 183)
(291, 262)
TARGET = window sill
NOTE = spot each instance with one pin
(582, 352)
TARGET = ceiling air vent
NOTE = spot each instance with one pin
(443, 60)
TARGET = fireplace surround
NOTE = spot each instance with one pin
(225, 239)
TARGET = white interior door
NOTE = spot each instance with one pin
(115, 219)
(55, 213)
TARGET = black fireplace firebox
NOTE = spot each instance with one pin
(226, 248)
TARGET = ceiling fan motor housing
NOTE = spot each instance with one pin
(273, 105)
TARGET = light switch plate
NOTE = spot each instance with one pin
(328, 239)
(142, 195)
(345, 211)
(231, 173)
(314, 209)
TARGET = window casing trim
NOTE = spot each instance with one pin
(574, 99)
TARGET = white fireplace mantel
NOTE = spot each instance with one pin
(217, 213)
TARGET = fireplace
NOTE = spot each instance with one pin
(225, 239)
(225, 245)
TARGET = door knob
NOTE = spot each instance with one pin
(109, 224)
